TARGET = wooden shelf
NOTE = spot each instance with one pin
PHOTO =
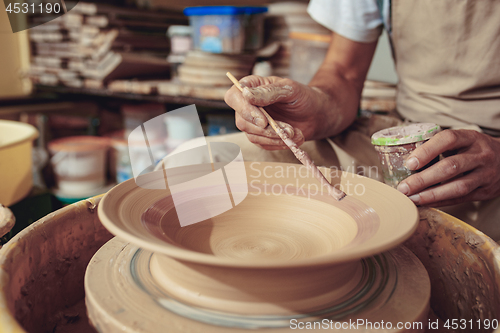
(67, 93)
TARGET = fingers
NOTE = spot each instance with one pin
(267, 138)
(255, 80)
(273, 144)
(268, 94)
(470, 174)
(245, 110)
(455, 191)
(266, 142)
(442, 171)
(250, 127)
(441, 142)
(298, 138)
(264, 91)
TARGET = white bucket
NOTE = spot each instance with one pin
(79, 163)
(16, 174)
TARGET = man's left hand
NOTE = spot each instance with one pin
(469, 172)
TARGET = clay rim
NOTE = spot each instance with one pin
(30, 136)
(338, 257)
(422, 132)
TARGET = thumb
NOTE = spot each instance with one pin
(268, 94)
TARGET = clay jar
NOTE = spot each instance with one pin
(395, 144)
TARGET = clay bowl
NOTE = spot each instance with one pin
(285, 235)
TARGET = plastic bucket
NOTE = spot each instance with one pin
(16, 175)
(79, 163)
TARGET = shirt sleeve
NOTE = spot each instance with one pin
(358, 20)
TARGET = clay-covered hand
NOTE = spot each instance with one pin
(469, 172)
(290, 103)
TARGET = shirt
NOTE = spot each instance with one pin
(358, 20)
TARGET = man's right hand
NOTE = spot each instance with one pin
(288, 102)
(325, 107)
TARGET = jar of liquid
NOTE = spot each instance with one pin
(395, 144)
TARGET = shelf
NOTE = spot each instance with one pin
(67, 93)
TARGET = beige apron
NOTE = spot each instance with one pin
(447, 56)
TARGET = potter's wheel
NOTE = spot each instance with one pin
(394, 286)
(271, 258)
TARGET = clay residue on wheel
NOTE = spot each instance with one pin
(42, 268)
(461, 264)
(268, 94)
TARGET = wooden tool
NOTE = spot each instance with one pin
(301, 155)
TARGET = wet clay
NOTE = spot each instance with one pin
(275, 227)
(267, 94)
(286, 219)
(285, 250)
(461, 262)
(42, 268)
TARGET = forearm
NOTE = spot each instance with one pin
(324, 108)
(337, 105)
(338, 84)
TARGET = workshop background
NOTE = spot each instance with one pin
(74, 89)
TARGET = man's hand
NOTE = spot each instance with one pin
(325, 107)
(284, 99)
(469, 172)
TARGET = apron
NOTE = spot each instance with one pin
(447, 55)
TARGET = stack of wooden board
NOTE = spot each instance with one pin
(93, 44)
(167, 88)
(209, 69)
(202, 75)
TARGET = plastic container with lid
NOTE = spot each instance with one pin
(181, 40)
(79, 163)
(395, 144)
(226, 29)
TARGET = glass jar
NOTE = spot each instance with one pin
(395, 144)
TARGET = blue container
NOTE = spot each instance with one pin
(226, 29)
